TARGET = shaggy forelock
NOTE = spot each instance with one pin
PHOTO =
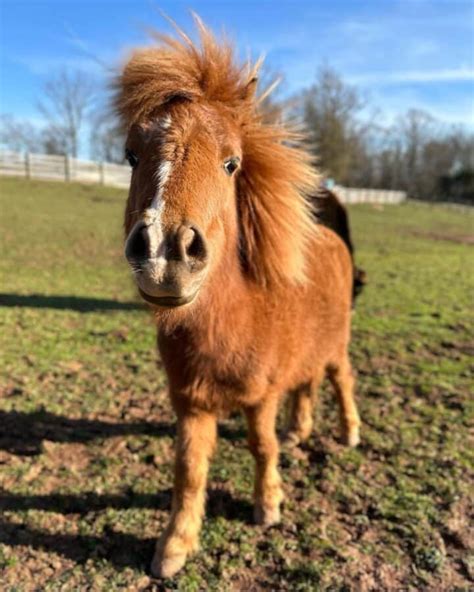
(275, 219)
(179, 68)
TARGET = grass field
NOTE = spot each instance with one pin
(86, 432)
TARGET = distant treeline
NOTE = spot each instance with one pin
(428, 159)
(418, 154)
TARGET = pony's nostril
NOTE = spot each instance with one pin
(195, 247)
(138, 244)
(186, 244)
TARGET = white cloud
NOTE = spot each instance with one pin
(463, 74)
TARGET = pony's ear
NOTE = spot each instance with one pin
(250, 89)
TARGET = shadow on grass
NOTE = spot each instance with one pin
(23, 433)
(219, 503)
(89, 501)
(120, 549)
(75, 303)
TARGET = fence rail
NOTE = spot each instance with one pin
(351, 195)
(65, 168)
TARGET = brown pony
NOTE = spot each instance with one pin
(252, 299)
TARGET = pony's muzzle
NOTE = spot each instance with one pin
(169, 266)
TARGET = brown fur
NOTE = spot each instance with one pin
(273, 313)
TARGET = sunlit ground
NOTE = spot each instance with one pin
(87, 433)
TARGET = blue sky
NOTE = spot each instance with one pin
(402, 53)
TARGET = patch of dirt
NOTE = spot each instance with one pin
(465, 239)
(458, 528)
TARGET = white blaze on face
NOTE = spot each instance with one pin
(148, 273)
(152, 215)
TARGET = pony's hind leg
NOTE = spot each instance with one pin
(300, 411)
(342, 380)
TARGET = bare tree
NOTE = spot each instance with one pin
(414, 129)
(417, 153)
(423, 151)
(331, 111)
(107, 137)
(20, 135)
(67, 99)
(54, 142)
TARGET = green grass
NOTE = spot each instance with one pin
(86, 431)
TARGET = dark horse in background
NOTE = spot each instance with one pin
(331, 212)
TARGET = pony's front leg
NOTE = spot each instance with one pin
(263, 443)
(195, 443)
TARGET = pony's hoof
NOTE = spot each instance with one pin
(167, 567)
(267, 516)
(352, 437)
(290, 440)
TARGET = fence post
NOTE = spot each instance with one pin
(67, 168)
(27, 165)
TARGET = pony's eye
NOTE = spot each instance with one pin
(131, 157)
(231, 165)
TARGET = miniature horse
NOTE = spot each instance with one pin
(252, 299)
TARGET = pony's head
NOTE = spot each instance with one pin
(211, 183)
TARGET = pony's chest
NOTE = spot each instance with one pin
(219, 377)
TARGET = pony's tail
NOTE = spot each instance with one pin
(330, 212)
(360, 279)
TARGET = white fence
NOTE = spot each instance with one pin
(351, 195)
(63, 168)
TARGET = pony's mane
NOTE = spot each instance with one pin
(276, 224)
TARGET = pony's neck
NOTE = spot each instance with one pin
(227, 288)
(222, 313)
